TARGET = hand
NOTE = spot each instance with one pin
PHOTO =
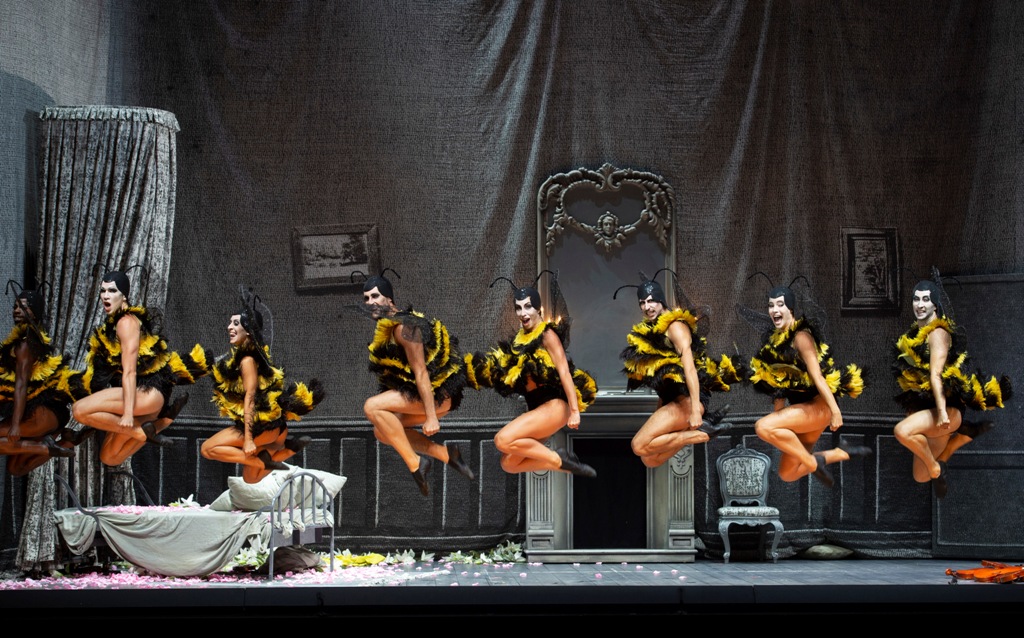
(574, 419)
(248, 446)
(431, 426)
(14, 433)
(696, 420)
(837, 421)
(943, 419)
(126, 421)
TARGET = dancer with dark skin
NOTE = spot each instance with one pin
(250, 391)
(27, 425)
(421, 377)
(535, 366)
(125, 402)
(929, 369)
(794, 368)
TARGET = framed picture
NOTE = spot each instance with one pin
(326, 257)
(870, 269)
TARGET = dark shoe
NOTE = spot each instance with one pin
(857, 450)
(296, 443)
(821, 472)
(269, 463)
(713, 425)
(973, 429)
(156, 439)
(456, 462)
(76, 437)
(57, 451)
(572, 464)
(940, 484)
(420, 475)
(175, 407)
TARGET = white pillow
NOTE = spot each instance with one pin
(250, 497)
(223, 502)
(332, 482)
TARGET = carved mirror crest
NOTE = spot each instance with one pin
(599, 229)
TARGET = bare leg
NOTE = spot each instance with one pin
(102, 410)
(393, 417)
(666, 432)
(956, 441)
(920, 434)
(521, 442)
(794, 430)
(117, 447)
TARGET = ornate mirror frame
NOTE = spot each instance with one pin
(599, 229)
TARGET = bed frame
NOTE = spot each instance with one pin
(304, 523)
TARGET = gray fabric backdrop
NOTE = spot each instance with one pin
(777, 124)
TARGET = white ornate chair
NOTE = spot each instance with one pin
(743, 478)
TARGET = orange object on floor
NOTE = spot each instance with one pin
(990, 572)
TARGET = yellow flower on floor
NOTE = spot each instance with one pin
(348, 559)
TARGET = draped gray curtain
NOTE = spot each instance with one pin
(107, 180)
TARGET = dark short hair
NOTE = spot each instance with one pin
(380, 283)
(933, 291)
(119, 279)
(787, 296)
(527, 292)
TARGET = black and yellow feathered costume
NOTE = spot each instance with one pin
(275, 405)
(962, 389)
(51, 384)
(444, 364)
(650, 359)
(778, 371)
(158, 366)
(508, 367)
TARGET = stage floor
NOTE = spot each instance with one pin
(518, 590)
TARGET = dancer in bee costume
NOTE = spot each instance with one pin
(421, 376)
(130, 374)
(250, 391)
(931, 369)
(36, 388)
(667, 353)
(795, 368)
(534, 365)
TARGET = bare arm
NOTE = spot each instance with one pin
(939, 342)
(250, 381)
(808, 350)
(24, 361)
(681, 337)
(417, 363)
(128, 335)
(554, 347)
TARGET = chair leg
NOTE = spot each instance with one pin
(723, 531)
(775, 540)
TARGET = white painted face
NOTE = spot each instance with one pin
(924, 307)
(529, 316)
(377, 302)
(111, 297)
(781, 315)
(236, 333)
(651, 308)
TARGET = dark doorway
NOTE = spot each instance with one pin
(609, 511)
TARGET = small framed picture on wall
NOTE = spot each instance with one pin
(326, 257)
(870, 269)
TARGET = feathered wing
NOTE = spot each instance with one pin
(300, 398)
